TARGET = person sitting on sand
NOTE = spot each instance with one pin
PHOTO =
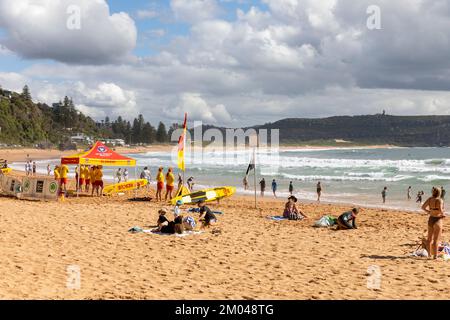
(291, 211)
(206, 216)
(347, 220)
(170, 227)
(434, 206)
(189, 223)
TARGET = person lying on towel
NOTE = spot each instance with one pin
(347, 220)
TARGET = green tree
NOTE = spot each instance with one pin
(161, 133)
(26, 93)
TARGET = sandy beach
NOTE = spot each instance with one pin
(250, 257)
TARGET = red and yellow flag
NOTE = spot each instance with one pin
(182, 145)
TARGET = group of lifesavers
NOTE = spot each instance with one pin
(169, 180)
(88, 176)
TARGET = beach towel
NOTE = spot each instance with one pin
(197, 210)
(135, 230)
(184, 234)
(325, 221)
(277, 218)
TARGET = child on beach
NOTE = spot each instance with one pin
(291, 211)
(177, 208)
(159, 184)
(206, 216)
(347, 220)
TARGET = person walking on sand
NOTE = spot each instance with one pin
(34, 168)
(170, 184)
(408, 193)
(262, 185)
(383, 194)
(125, 175)
(274, 188)
(245, 183)
(319, 191)
(434, 206)
(159, 184)
(291, 188)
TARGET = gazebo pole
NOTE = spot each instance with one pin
(78, 182)
(135, 178)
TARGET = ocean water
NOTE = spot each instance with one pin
(348, 175)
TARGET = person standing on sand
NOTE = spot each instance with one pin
(383, 194)
(64, 172)
(87, 178)
(34, 168)
(57, 174)
(319, 191)
(291, 188)
(49, 170)
(434, 206)
(245, 183)
(262, 185)
(409, 193)
(274, 188)
(159, 184)
(119, 175)
(170, 184)
(99, 180)
(125, 175)
(443, 193)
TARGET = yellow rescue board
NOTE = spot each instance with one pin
(6, 170)
(205, 195)
(125, 186)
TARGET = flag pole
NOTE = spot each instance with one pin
(254, 173)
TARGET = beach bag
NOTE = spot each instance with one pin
(325, 221)
(190, 221)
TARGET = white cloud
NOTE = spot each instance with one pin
(194, 10)
(147, 14)
(38, 29)
(198, 109)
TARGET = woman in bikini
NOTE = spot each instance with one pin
(434, 206)
(291, 210)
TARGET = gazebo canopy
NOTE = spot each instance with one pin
(99, 154)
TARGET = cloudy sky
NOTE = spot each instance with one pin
(229, 62)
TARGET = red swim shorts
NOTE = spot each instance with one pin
(87, 181)
(99, 183)
(63, 180)
(81, 182)
(160, 185)
(169, 188)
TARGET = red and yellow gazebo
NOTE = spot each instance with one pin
(99, 154)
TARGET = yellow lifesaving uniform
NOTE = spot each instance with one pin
(56, 173)
(92, 175)
(170, 178)
(99, 177)
(63, 171)
(160, 180)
